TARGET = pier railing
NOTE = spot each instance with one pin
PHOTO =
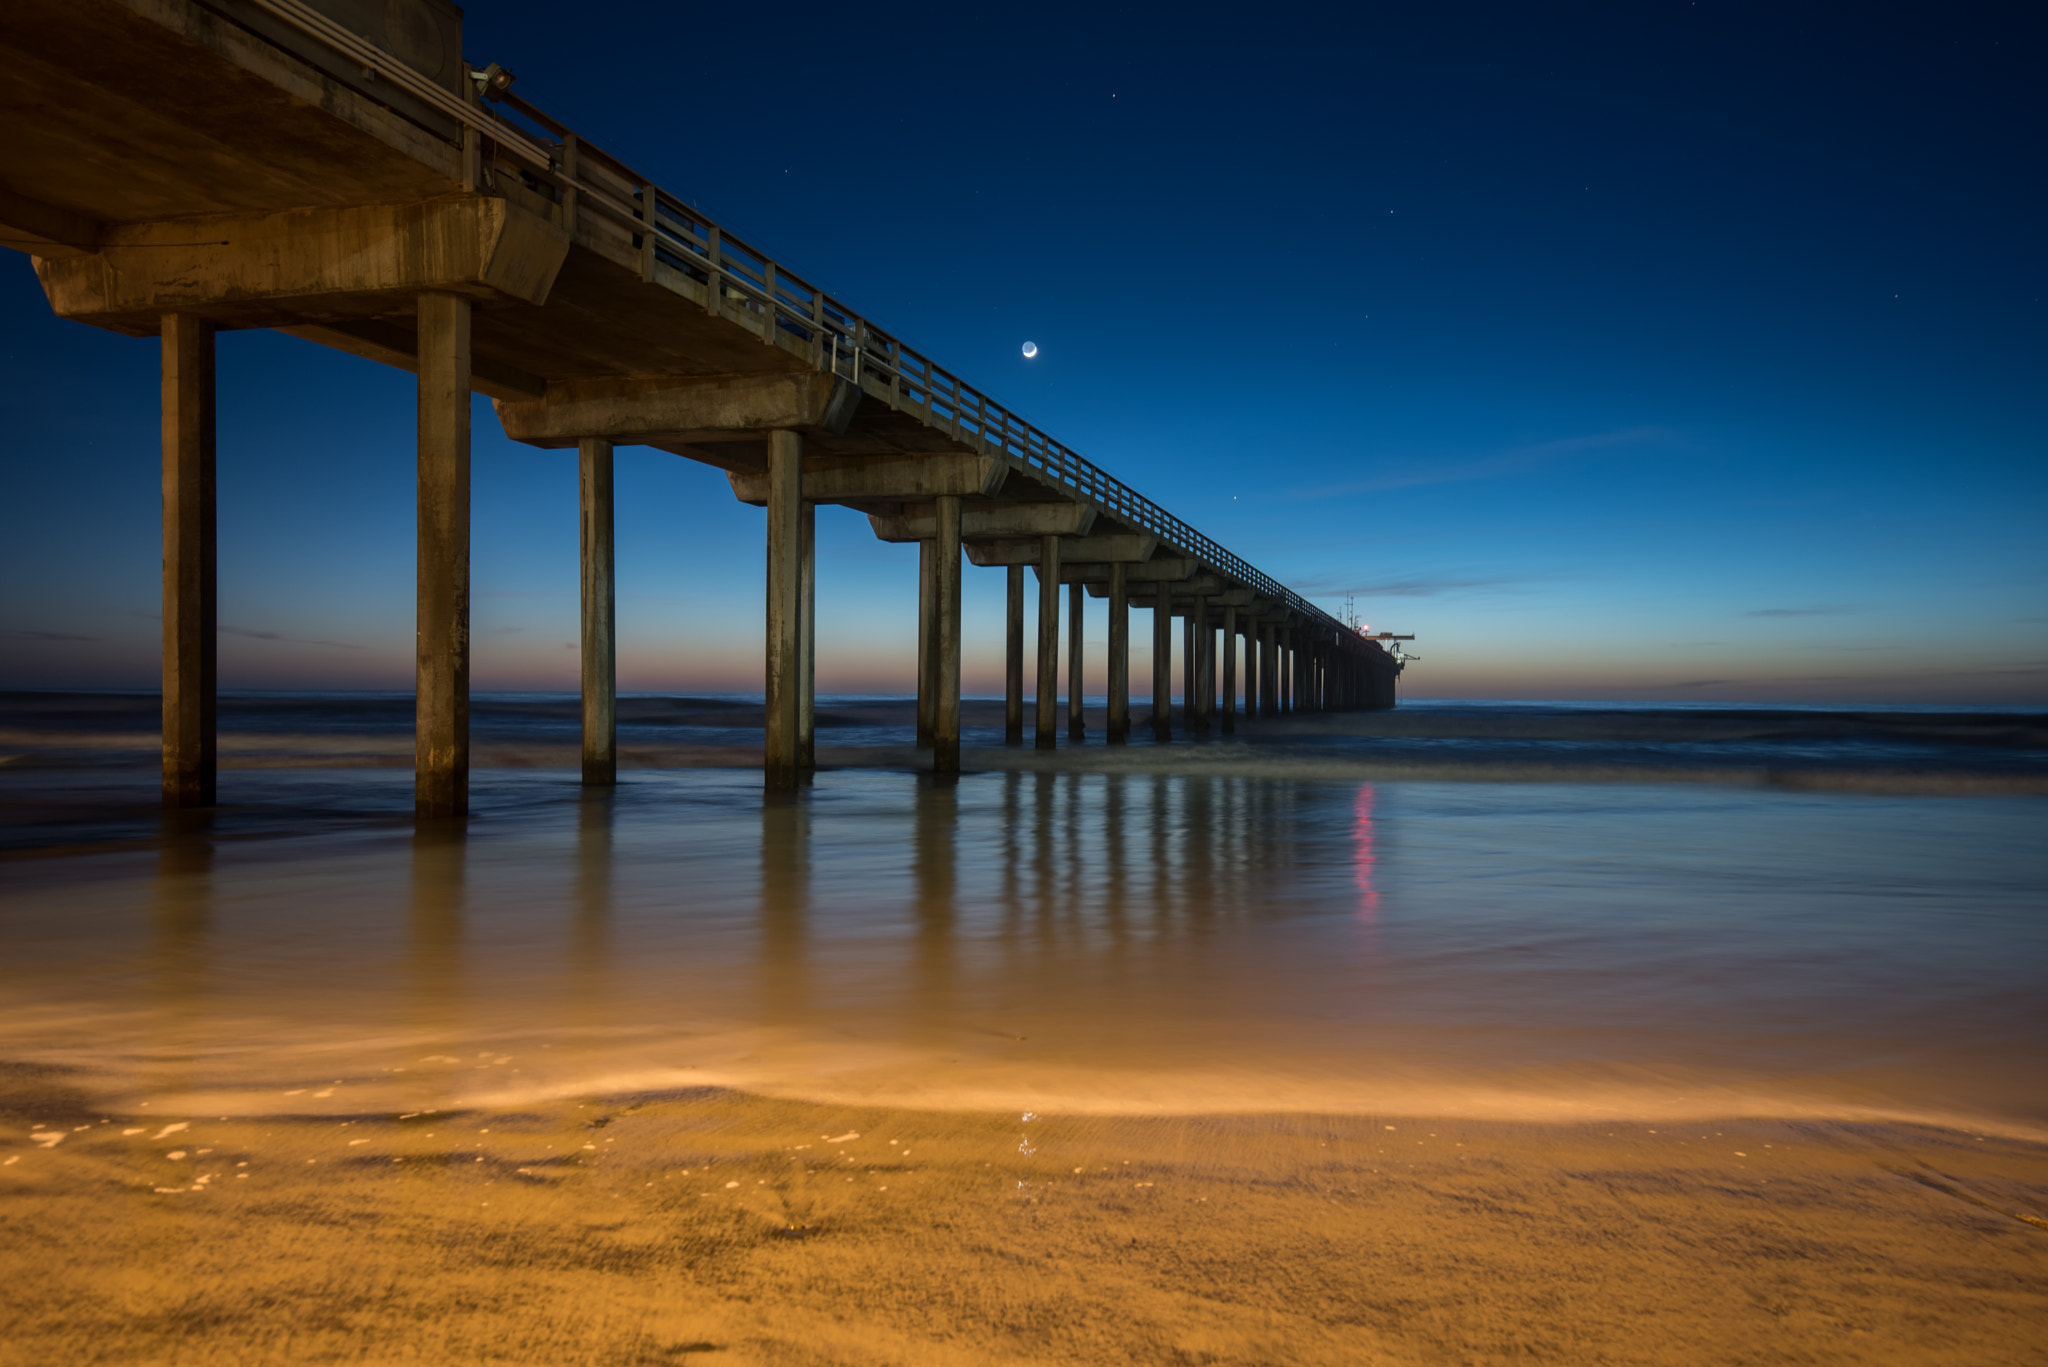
(606, 201)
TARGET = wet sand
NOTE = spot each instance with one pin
(740, 1229)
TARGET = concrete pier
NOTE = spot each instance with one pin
(1118, 726)
(441, 702)
(1048, 641)
(190, 563)
(1013, 659)
(785, 608)
(350, 197)
(600, 615)
(1076, 596)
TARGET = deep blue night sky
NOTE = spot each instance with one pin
(1665, 350)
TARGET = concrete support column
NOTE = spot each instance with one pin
(1229, 670)
(1162, 664)
(1119, 726)
(600, 619)
(946, 641)
(1013, 661)
(1251, 668)
(927, 559)
(1269, 679)
(1048, 641)
(1197, 664)
(1076, 601)
(190, 568)
(807, 641)
(785, 604)
(440, 784)
(1287, 680)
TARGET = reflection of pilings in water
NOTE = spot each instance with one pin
(1161, 827)
(1198, 851)
(439, 854)
(785, 904)
(1044, 888)
(935, 838)
(1074, 889)
(1113, 856)
(181, 916)
(591, 931)
(1012, 846)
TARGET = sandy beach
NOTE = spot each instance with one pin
(732, 1228)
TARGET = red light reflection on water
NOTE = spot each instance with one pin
(1362, 857)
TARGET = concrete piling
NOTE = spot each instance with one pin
(807, 640)
(441, 700)
(190, 566)
(1162, 664)
(1119, 724)
(1048, 640)
(1076, 596)
(946, 641)
(927, 560)
(785, 620)
(1013, 660)
(599, 643)
(1229, 721)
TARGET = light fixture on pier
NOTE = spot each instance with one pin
(493, 81)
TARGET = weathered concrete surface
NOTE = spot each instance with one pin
(883, 478)
(666, 410)
(785, 608)
(190, 570)
(1100, 549)
(599, 615)
(1048, 640)
(946, 644)
(1075, 601)
(986, 521)
(270, 270)
(1013, 658)
(441, 728)
(1119, 724)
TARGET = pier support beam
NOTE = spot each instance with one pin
(1251, 667)
(1197, 667)
(785, 606)
(600, 615)
(1162, 664)
(1119, 724)
(927, 561)
(1077, 594)
(1229, 669)
(807, 641)
(946, 640)
(440, 783)
(1048, 640)
(190, 567)
(1269, 689)
(1013, 661)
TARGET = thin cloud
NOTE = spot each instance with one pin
(46, 636)
(1518, 461)
(287, 640)
(1819, 610)
(1419, 587)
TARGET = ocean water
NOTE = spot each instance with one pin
(1158, 939)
